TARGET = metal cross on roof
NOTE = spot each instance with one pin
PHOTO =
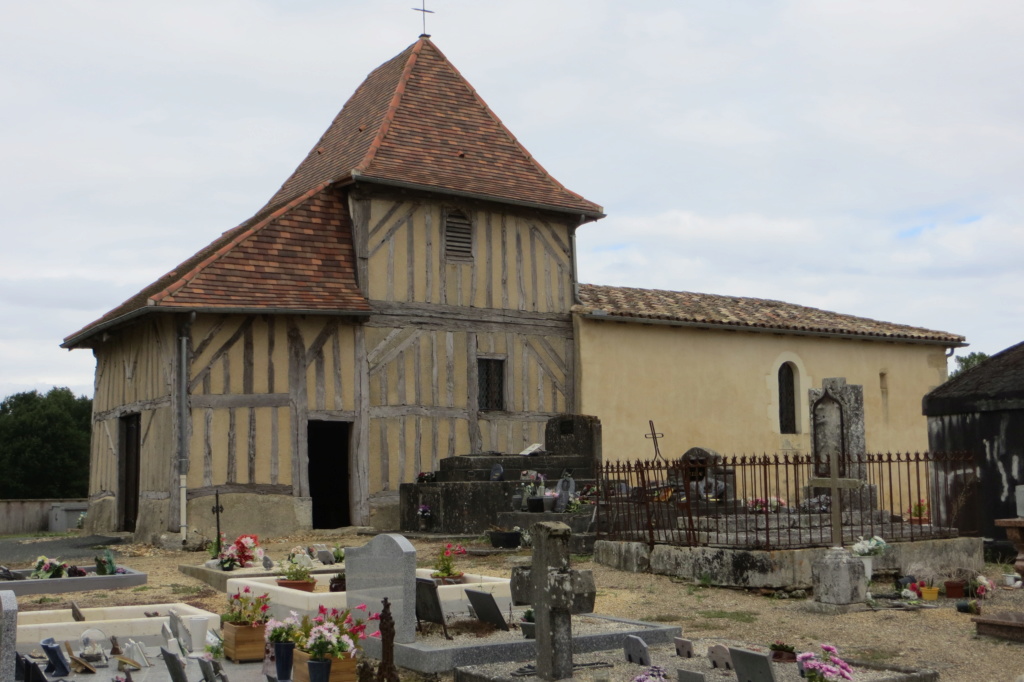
(425, 12)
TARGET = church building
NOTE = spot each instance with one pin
(411, 293)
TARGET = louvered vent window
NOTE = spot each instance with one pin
(491, 377)
(458, 236)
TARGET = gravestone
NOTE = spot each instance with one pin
(684, 647)
(268, 563)
(57, 665)
(708, 477)
(838, 578)
(751, 666)
(8, 633)
(584, 590)
(719, 657)
(385, 567)
(486, 608)
(635, 651)
(552, 599)
(838, 445)
(691, 676)
(325, 556)
(573, 434)
(428, 604)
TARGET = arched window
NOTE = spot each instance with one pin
(787, 399)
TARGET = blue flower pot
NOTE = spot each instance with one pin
(283, 654)
(319, 671)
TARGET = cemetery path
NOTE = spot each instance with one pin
(17, 551)
(939, 638)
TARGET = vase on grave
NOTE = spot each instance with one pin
(319, 670)
(868, 562)
(535, 504)
(529, 629)
(342, 669)
(243, 642)
(284, 652)
(549, 503)
(955, 589)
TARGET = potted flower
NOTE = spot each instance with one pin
(338, 582)
(918, 513)
(824, 667)
(243, 636)
(425, 516)
(782, 652)
(295, 571)
(444, 567)
(347, 631)
(281, 634)
(527, 625)
(866, 550)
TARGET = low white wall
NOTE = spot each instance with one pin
(118, 621)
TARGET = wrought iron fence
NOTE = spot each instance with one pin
(769, 502)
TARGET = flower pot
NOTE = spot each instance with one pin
(342, 669)
(955, 589)
(783, 657)
(338, 584)
(424, 523)
(243, 643)
(517, 502)
(529, 629)
(283, 654)
(920, 520)
(535, 504)
(505, 539)
(929, 593)
(868, 562)
(301, 585)
(1009, 579)
(319, 671)
(549, 503)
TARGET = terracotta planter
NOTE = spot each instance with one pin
(783, 656)
(342, 669)
(301, 585)
(243, 643)
(955, 589)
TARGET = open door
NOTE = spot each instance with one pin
(328, 447)
(128, 466)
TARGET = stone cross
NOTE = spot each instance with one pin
(552, 599)
(8, 633)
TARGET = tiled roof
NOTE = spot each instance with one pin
(298, 258)
(415, 121)
(990, 385)
(735, 312)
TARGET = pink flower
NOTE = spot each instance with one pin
(246, 589)
(361, 607)
(376, 634)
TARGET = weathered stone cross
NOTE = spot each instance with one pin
(832, 445)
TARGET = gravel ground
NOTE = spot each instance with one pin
(938, 638)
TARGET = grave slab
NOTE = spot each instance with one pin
(90, 581)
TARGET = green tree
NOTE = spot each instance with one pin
(44, 445)
(967, 362)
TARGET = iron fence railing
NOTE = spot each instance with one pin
(767, 502)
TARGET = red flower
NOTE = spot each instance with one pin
(361, 607)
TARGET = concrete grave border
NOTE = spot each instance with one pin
(90, 581)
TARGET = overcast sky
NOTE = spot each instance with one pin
(860, 156)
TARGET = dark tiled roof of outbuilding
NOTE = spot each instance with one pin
(997, 383)
(737, 312)
(297, 258)
(416, 121)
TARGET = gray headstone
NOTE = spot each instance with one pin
(268, 563)
(684, 647)
(57, 665)
(325, 556)
(635, 651)
(486, 608)
(839, 578)
(719, 657)
(8, 633)
(838, 425)
(428, 604)
(175, 667)
(691, 676)
(751, 666)
(385, 567)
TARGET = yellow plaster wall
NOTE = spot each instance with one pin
(718, 389)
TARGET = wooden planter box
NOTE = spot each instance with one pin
(242, 643)
(342, 669)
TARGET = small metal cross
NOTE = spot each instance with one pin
(217, 509)
(425, 12)
(654, 435)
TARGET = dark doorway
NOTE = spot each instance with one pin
(129, 446)
(328, 472)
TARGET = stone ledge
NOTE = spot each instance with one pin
(218, 579)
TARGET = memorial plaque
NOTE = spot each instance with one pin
(486, 608)
(428, 604)
(691, 676)
(751, 666)
(325, 556)
(684, 647)
(719, 657)
(635, 650)
(175, 666)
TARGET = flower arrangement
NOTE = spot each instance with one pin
(245, 551)
(339, 553)
(106, 565)
(291, 569)
(245, 608)
(332, 632)
(827, 666)
(761, 505)
(918, 510)
(982, 587)
(49, 568)
(528, 616)
(444, 567)
(653, 674)
(426, 477)
(282, 630)
(870, 547)
(423, 511)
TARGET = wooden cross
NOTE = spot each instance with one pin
(425, 12)
(835, 484)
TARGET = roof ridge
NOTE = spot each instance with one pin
(494, 117)
(396, 100)
(232, 243)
